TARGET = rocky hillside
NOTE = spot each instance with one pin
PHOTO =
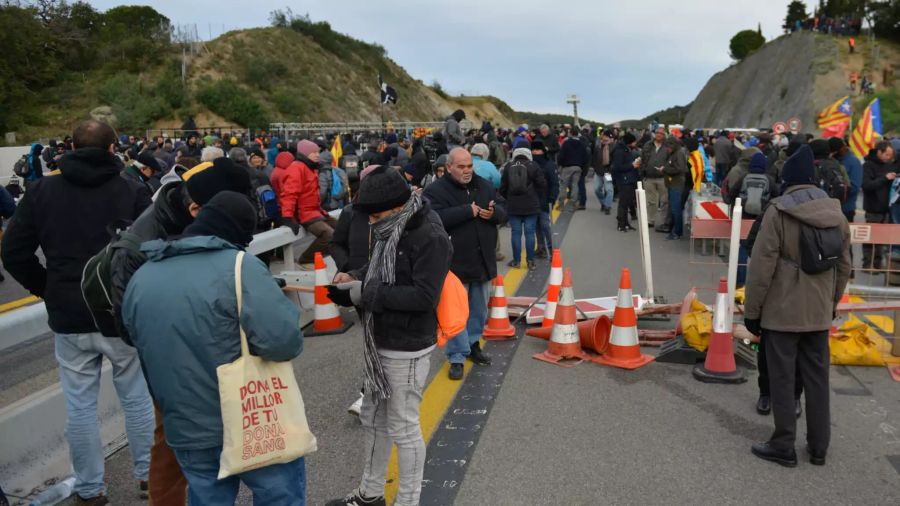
(795, 75)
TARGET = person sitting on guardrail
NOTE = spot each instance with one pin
(296, 182)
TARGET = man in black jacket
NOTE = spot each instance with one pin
(571, 160)
(465, 203)
(67, 217)
(879, 172)
(626, 177)
(522, 185)
(548, 167)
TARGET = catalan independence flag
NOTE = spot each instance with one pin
(700, 167)
(835, 114)
(337, 151)
(868, 129)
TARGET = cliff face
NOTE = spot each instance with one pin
(793, 76)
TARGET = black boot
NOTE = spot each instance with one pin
(477, 356)
(816, 457)
(764, 405)
(765, 451)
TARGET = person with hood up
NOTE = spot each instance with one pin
(89, 185)
(792, 308)
(523, 185)
(879, 172)
(483, 167)
(296, 182)
(452, 132)
(625, 175)
(544, 232)
(192, 282)
(398, 290)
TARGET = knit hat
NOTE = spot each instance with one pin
(537, 144)
(228, 215)
(382, 189)
(835, 144)
(307, 147)
(146, 159)
(522, 152)
(758, 163)
(441, 161)
(628, 138)
(800, 168)
(820, 149)
(204, 181)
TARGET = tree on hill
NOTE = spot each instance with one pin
(744, 43)
(796, 11)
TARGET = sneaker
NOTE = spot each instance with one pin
(357, 499)
(501, 257)
(515, 264)
(663, 230)
(606, 211)
(531, 265)
(765, 451)
(356, 406)
(477, 356)
(541, 253)
(144, 489)
(630, 227)
(673, 237)
(100, 500)
(456, 372)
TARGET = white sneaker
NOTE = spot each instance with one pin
(356, 406)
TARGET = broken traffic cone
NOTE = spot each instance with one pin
(719, 366)
(623, 349)
(498, 326)
(328, 318)
(564, 339)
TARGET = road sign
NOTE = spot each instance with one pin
(794, 124)
(779, 127)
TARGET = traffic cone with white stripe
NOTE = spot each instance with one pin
(565, 342)
(498, 326)
(328, 318)
(553, 287)
(720, 366)
(623, 350)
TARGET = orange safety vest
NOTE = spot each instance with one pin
(852, 42)
(853, 77)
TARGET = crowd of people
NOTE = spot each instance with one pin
(841, 25)
(412, 211)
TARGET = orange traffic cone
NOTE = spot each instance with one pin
(498, 326)
(719, 366)
(564, 339)
(623, 350)
(593, 334)
(328, 318)
(553, 287)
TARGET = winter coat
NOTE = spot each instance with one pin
(738, 172)
(855, 173)
(181, 312)
(474, 239)
(88, 185)
(350, 245)
(487, 170)
(131, 172)
(551, 176)
(551, 143)
(296, 183)
(404, 317)
(778, 291)
(453, 133)
(623, 170)
(724, 149)
(572, 153)
(7, 205)
(875, 184)
(676, 169)
(326, 175)
(735, 191)
(529, 202)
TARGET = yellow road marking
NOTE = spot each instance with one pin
(9, 306)
(438, 396)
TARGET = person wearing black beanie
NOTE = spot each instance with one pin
(625, 177)
(791, 297)
(229, 215)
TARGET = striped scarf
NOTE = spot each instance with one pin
(387, 234)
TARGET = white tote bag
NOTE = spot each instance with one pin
(263, 418)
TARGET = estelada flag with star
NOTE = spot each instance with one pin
(867, 131)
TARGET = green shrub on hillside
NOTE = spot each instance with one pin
(744, 43)
(135, 104)
(889, 102)
(225, 98)
(288, 103)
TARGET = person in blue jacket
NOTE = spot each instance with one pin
(181, 311)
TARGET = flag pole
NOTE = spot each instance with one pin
(383, 131)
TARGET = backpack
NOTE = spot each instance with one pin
(452, 309)
(755, 193)
(96, 278)
(517, 177)
(337, 189)
(832, 181)
(820, 248)
(22, 167)
(268, 203)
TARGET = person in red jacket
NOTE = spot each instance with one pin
(296, 182)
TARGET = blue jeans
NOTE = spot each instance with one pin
(275, 485)
(604, 191)
(545, 231)
(516, 222)
(458, 348)
(677, 212)
(80, 358)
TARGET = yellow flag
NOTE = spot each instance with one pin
(336, 151)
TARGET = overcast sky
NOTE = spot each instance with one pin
(624, 59)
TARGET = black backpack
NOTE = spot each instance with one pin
(820, 248)
(517, 177)
(831, 180)
(755, 193)
(96, 279)
(22, 168)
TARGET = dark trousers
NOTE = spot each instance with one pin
(762, 365)
(582, 190)
(721, 172)
(806, 352)
(874, 251)
(850, 215)
(626, 203)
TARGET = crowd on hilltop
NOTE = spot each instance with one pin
(842, 25)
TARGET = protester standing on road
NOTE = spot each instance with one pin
(588, 139)
(549, 140)
(522, 186)
(547, 199)
(465, 203)
(452, 131)
(572, 157)
(88, 184)
(625, 175)
(791, 302)
(191, 281)
(723, 148)
(401, 286)
(483, 167)
(653, 162)
(675, 171)
(602, 163)
(879, 172)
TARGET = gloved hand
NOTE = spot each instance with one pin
(292, 223)
(753, 326)
(339, 296)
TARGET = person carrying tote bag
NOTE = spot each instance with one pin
(191, 315)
